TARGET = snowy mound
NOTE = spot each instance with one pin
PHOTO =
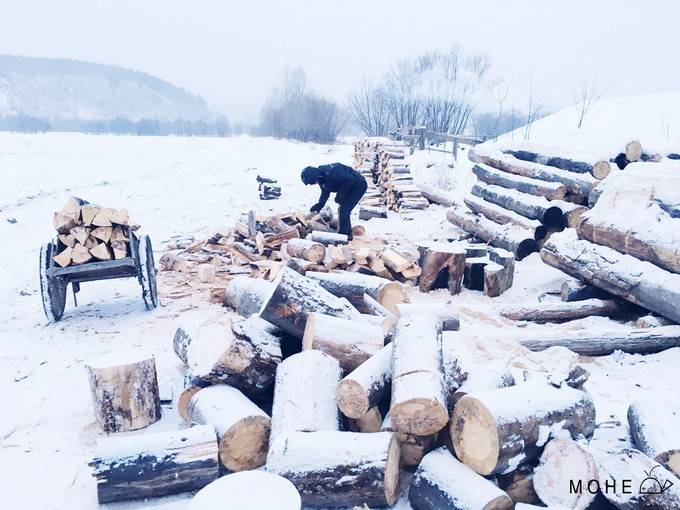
(652, 119)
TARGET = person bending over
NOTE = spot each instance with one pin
(347, 184)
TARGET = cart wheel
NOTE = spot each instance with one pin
(147, 273)
(52, 290)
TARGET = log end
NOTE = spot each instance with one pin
(671, 460)
(601, 169)
(352, 399)
(419, 416)
(527, 247)
(244, 446)
(184, 399)
(474, 435)
(391, 295)
(392, 469)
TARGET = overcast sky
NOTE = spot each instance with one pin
(232, 52)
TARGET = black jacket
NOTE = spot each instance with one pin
(340, 179)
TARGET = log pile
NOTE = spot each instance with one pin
(393, 185)
(90, 233)
(268, 188)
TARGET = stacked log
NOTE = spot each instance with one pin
(89, 233)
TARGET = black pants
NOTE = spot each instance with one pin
(348, 201)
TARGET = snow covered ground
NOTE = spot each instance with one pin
(189, 186)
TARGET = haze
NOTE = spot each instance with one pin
(232, 53)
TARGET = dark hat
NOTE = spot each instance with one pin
(310, 175)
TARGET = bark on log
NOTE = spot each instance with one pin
(441, 266)
(418, 394)
(413, 448)
(242, 428)
(305, 249)
(491, 437)
(351, 342)
(636, 481)
(443, 483)
(339, 469)
(574, 290)
(327, 238)
(499, 276)
(564, 311)
(549, 190)
(600, 169)
(124, 393)
(473, 276)
(639, 282)
(654, 423)
(372, 307)
(446, 313)
(509, 237)
(436, 195)
(301, 265)
(246, 295)
(502, 216)
(154, 465)
(368, 212)
(295, 296)
(530, 206)
(565, 463)
(340, 286)
(366, 385)
(519, 485)
(639, 341)
(595, 195)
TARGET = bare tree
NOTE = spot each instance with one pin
(534, 112)
(501, 93)
(403, 102)
(369, 109)
(586, 96)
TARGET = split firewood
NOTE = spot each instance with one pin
(101, 233)
(67, 240)
(101, 251)
(499, 276)
(63, 259)
(395, 261)
(413, 448)
(305, 249)
(119, 249)
(206, 273)
(654, 422)
(80, 234)
(119, 233)
(366, 385)
(80, 254)
(88, 214)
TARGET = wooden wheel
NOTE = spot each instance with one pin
(52, 290)
(147, 273)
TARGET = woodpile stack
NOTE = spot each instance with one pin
(89, 233)
(393, 185)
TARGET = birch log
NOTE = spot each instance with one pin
(306, 249)
(552, 157)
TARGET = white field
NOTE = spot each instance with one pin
(178, 186)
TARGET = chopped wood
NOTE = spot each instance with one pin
(102, 233)
(80, 254)
(395, 261)
(442, 266)
(119, 249)
(305, 249)
(118, 233)
(64, 258)
(102, 252)
(206, 273)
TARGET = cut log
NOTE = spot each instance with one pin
(445, 312)
(80, 254)
(530, 206)
(339, 469)
(366, 385)
(395, 261)
(491, 437)
(473, 274)
(305, 249)
(549, 190)
(327, 238)
(372, 307)
(387, 293)
(351, 342)
(418, 394)
(242, 428)
(369, 422)
(413, 448)
(503, 216)
(368, 212)
(499, 276)
(519, 485)
(639, 282)
(600, 169)
(633, 151)
(654, 422)
(304, 394)
(101, 252)
(206, 273)
(124, 392)
(441, 266)
(443, 483)
(639, 341)
(436, 195)
(301, 265)
(119, 249)
(519, 241)
(64, 258)
(154, 465)
(295, 297)
(636, 481)
(247, 295)
(564, 311)
(574, 290)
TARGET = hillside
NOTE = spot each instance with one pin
(58, 89)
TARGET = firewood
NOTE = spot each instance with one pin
(418, 395)
(67, 240)
(446, 313)
(489, 437)
(103, 217)
(80, 234)
(301, 265)
(443, 483)
(80, 254)
(366, 385)
(564, 311)
(119, 233)
(654, 422)
(91, 242)
(154, 465)
(413, 448)
(119, 249)
(64, 258)
(102, 233)
(339, 469)
(327, 238)
(436, 195)
(371, 306)
(89, 212)
(206, 273)
(124, 393)
(473, 272)
(246, 295)
(499, 276)
(574, 290)
(277, 240)
(305, 249)
(395, 261)
(502, 216)
(369, 422)
(242, 428)
(119, 216)
(549, 190)
(351, 342)
(101, 252)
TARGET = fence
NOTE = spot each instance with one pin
(421, 139)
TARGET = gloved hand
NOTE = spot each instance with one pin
(315, 208)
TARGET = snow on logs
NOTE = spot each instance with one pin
(413, 448)
(622, 275)
(491, 434)
(443, 483)
(153, 465)
(124, 392)
(366, 385)
(246, 295)
(327, 238)
(418, 403)
(549, 190)
(445, 312)
(306, 249)
(242, 428)
(296, 296)
(440, 261)
(340, 469)
(552, 157)
(560, 311)
(502, 216)
(529, 206)
(654, 423)
(351, 342)
(515, 239)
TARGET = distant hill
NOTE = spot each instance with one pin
(60, 89)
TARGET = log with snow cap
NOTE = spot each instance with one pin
(443, 483)
(561, 311)
(366, 385)
(295, 296)
(340, 469)
(246, 295)
(551, 156)
(242, 428)
(440, 261)
(637, 281)
(530, 206)
(654, 423)
(495, 431)
(549, 190)
(418, 403)
(351, 342)
(502, 216)
(444, 311)
(152, 465)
